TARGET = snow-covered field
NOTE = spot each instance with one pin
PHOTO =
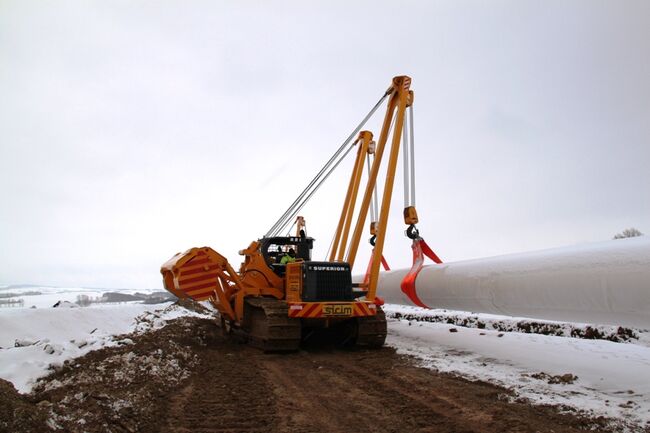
(599, 377)
(45, 296)
(596, 376)
(34, 340)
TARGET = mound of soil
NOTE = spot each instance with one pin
(125, 388)
(18, 413)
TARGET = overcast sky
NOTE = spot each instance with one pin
(130, 131)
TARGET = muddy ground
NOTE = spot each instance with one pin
(186, 378)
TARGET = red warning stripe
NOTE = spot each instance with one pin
(210, 284)
(198, 270)
(200, 292)
(196, 284)
(363, 308)
(194, 264)
(203, 277)
(309, 310)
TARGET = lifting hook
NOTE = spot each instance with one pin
(412, 232)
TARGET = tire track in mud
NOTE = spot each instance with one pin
(379, 391)
(423, 406)
(310, 399)
(226, 394)
(352, 397)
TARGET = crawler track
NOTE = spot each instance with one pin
(220, 392)
(372, 330)
(269, 326)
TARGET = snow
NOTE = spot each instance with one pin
(65, 304)
(611, 377)
(520, 324)
(63, 323)
(50, 295)
(46, 337)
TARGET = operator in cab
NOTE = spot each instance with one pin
(290, 257)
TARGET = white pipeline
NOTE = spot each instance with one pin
(605, 282)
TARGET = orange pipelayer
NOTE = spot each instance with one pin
(273, 293)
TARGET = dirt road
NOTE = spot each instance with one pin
(187, 378)
(341, 391)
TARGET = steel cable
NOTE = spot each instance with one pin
(412, 155)
(325, 167)
(297, 209)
